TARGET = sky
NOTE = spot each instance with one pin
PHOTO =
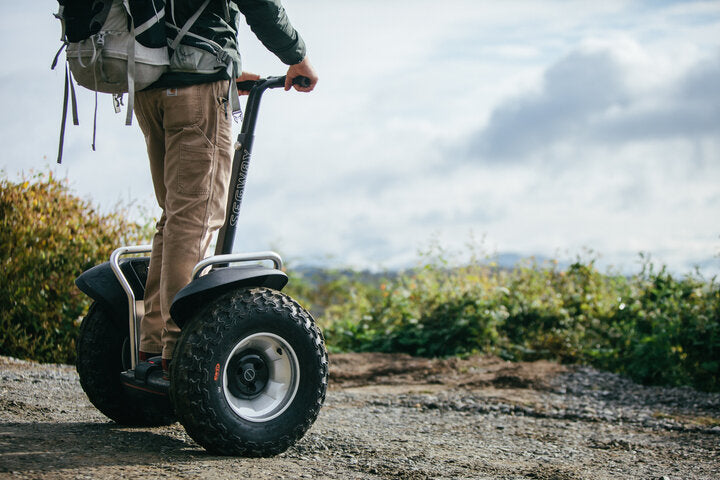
(532, 128)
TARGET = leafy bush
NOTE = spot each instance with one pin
(666, 331)
(652, 327)
(559, 314)
(47, 238)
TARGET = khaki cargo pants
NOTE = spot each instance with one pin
(188, 134)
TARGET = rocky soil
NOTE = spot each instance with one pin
(390, 416)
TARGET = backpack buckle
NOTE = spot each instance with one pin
(117, 101)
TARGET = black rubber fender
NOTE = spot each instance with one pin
(100, 284)
(205, 289)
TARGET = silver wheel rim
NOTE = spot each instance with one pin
(281, 385)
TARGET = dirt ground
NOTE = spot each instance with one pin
(390, 416)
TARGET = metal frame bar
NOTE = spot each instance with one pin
(237, 257)
(132, 311)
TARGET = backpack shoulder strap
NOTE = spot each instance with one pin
(226, 10)
(190, 22)
(131, 51)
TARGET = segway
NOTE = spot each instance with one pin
(249, 372)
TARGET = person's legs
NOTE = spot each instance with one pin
(196, 170)
(149, 113)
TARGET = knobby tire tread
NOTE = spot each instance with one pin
(189, 391)
(99, 362)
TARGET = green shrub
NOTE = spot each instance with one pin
(434, 311)
(558, 314)
(47, 238)
(652, 327)
(667, 331)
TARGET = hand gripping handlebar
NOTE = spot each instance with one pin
(271, 82)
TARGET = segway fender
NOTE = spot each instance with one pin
(219, 281)
(100, 284)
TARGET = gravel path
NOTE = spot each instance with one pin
(485, 422)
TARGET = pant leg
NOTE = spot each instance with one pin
(149, 113)
(196, 173)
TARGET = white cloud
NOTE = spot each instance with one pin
(596, 96)
(621, 164)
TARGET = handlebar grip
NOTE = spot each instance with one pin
(247, 85)
(301, 81)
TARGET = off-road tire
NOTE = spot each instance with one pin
(102, 353)
(198, 386)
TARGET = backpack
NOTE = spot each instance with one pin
(113, 46)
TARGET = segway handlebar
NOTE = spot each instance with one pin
(271, 82)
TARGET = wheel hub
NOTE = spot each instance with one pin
(261, 377)
(248, 374)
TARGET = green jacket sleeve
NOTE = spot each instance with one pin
(270, 23)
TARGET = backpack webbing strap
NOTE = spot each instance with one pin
(131, 51)
(57, 55)
(94, 123)
(134, 32)
(130, 66)
(139, 30)
(226, 11)
(190, 22)
(69, 89)
(131, 80)
(233, 94)
(60, 15)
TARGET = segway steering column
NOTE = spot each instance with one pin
(241, 159)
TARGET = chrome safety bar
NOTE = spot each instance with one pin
(237, 257)
(133, 324)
